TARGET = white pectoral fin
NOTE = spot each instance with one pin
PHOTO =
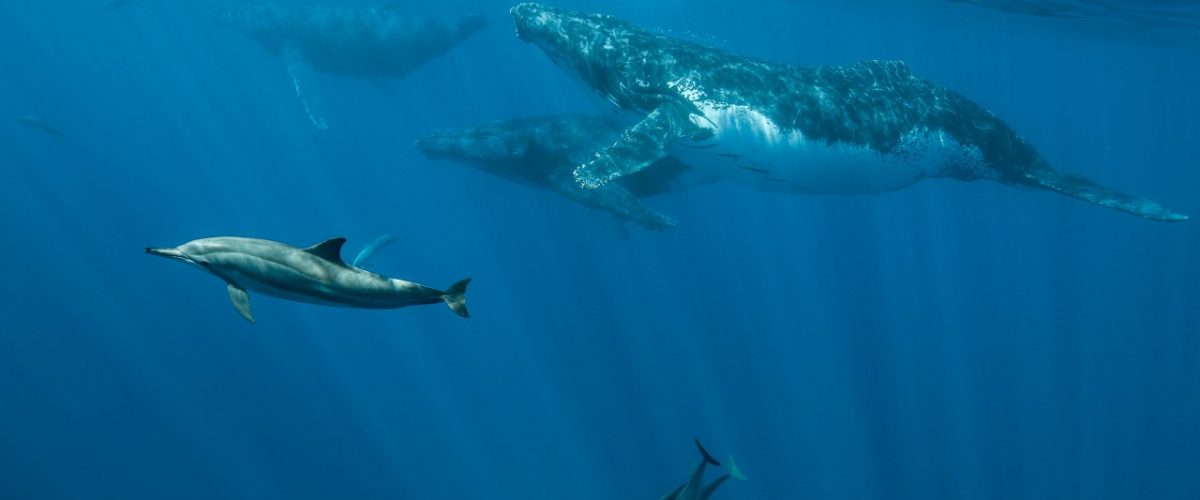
(303, 76)
(639, 146)
(241, 301)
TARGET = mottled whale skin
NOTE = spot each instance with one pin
(371, 42)
(543, 151)
(864, 128)
(694, 488)
(316, 275)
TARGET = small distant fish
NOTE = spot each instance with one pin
(39, 123)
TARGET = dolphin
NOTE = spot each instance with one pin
(542, 151)
(40, 123)
(363, 42)
(316, 275)
(864, 128)
(694, 488)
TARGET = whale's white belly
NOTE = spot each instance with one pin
(748, 147)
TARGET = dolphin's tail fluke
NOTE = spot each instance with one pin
(704, 453)
(1082, 188)
(456, 298)
(734, 471)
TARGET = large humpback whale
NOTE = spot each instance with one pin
(542, 152)
(371, 42)
(870, 127)
(316, 275)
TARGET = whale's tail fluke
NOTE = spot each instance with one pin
(1082, 188)
(456, 298)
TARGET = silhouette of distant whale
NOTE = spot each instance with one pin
(371, 42)
(864, 128)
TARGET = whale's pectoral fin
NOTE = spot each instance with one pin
(640, 145)
(611, 198)
(1084, 189)
(241, 301)
(304, 79)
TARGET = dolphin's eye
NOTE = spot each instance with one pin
(203, 264)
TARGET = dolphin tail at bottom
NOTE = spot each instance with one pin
(704, 453)
(456, 298)
(1079, 187)
(734, 471)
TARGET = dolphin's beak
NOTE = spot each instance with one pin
(169, 253)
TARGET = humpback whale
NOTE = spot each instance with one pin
(542, 151)
(316, 275)
(372, 42)
(694, 488)
(864, 128)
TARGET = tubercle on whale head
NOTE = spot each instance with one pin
(587, 46)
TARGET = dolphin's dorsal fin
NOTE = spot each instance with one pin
(330, 250)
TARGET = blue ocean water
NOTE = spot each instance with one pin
(950, 340)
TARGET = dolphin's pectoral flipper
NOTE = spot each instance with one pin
(640, 145)
(613, 199)
(304, 79)
(241, 301)
(1084, 189)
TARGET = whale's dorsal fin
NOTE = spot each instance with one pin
(330, 250)
(303, 78)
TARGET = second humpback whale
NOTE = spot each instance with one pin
(542, 151)
(364, 42)
(864, 128)
(316, 275)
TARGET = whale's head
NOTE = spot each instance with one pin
(587, 45)
(486, 148)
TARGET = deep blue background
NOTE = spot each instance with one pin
(952, 340)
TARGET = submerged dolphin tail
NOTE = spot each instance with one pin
(1082, 188)
(734, 471)
(456, 298)
(704, 453)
